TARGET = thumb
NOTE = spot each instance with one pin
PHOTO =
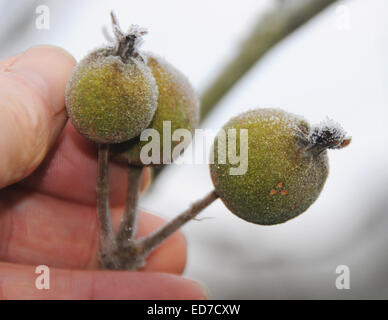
(32, 108)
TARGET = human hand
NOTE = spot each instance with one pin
(48, 195)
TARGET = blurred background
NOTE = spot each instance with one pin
(329, 67)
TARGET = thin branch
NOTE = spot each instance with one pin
(127, 229)
(150, 242)
(107, 238)
(277, 24)
(281, 21)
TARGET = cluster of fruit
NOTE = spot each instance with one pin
(118, 91)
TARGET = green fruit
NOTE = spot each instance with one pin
(177, 103)
(109, 100)
(287, 166)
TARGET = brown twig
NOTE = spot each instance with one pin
(107, 238)
(149, 243)
(127, 230)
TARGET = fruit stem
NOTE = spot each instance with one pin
(149, 243)
(127, 230)
(107, 238)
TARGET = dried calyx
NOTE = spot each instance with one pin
(127, 44)
(327, 135)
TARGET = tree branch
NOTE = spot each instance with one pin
(270, 30)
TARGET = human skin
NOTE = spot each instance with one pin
(48, 195)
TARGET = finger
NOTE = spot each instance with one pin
(18, 282)
(70, 172)
(171, 256)
(32, 113)
(38, 229)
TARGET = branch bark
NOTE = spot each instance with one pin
(107, 237)
(127, 229)
(149, 243)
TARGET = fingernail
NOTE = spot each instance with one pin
(204, 290)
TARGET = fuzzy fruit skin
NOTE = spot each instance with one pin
(177, 102)
(109, 101)
(283, 178)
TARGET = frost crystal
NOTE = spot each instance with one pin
(328, 134)
(137, 33)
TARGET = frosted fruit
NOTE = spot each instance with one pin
(177, 104)
(287, 165)
(108, 100)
